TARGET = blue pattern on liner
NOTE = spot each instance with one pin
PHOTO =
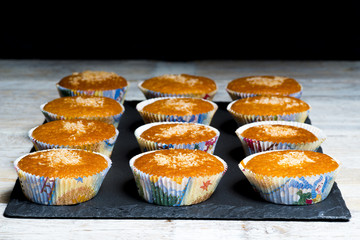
(117, 94)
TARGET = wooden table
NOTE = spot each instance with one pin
(332, 89)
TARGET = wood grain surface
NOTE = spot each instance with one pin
(331, 88)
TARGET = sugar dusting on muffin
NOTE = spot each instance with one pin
(181, 79)
(91, 76)
(182, 129)
(265, 81)
(59, 157)
(273, 100)
(85, 101)
(176, 161)
(294, 159)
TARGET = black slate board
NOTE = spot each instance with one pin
(234, 199)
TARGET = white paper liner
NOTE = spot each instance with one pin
(60, 191)
(153, 94)
(238, 95)
(114, 120)
(242, 119)
(252, 146)
(166, 191)
(104, 147)
(116, 94)
(148, 117)
(303, 190)
(147, 145)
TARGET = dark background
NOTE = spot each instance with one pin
(301, 31)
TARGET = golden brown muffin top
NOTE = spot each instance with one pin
(84, 106)
(93, 80)
(179, 106)
(291, 163)
(174, 163)
(177, 133)
(279, 133)
(63, 163)
(263, 85)
(73, 132)
(269, 105)
(180, 84)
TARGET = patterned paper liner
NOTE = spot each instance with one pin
(117, 94)
(303, 190)
(147, 145)
(114, 120)
(239, 95)
(242, 119)
(252, 146)
(104, 147)
(60, 191)
(153, 94)
(166, 191)
(148, 117)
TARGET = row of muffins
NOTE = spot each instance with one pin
(282, 162)
(74, 146)
(202, 117)
(177, 141)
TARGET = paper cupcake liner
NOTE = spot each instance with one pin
(242, 119)
(60, 191)
(175, 192)
(117, 94)
(252, 146)
(153, 94)
(114, 120)
(238, 95)
(147, 145)
(148, 117)
(104, 147)
(303, 190)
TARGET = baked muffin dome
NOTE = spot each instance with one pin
(177, 177)
(263, 85)
(94, 83)
(179, 85)
(92, 135)
(84, 107)
(61, 176)
(167, 135)
(177, 109)
(269, 108)
(291, 177)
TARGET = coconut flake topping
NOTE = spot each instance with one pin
(264, 81)
(181, 79)
(294, 159)
(176, 161)
(60, 157)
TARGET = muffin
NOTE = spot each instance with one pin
(94, 83)
(179, 85)
(83, 107)
(92, 135)
(269, 108)
(263, 85)
(193, 110)
(61, 176)
(272, 135)
(166, 135)
(177, 177)
(291, 177)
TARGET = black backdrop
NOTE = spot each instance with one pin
(303, 31)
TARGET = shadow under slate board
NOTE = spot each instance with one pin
(234, 199)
